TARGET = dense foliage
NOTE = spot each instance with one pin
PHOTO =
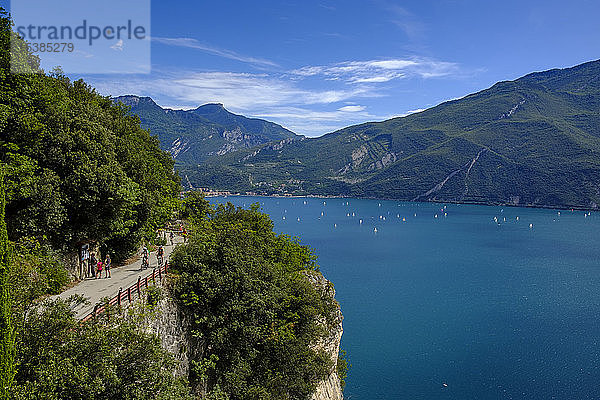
(7, 331)
(254, 312)
(537, 137)
(79, 167)
(60, 358)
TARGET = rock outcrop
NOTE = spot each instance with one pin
(170, 324)
(330, 388)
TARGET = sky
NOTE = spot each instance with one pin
(318, 66)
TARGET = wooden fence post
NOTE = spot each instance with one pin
(119, 298)
(138, 286)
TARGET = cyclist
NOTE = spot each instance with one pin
(145, 257)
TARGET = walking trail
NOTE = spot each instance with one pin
(124, 276)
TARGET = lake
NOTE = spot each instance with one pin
(446, 302)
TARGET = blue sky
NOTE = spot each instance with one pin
(318, 66)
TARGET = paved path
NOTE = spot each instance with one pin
(121, 277)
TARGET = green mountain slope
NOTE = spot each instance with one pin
(209, 130)
(532, 141)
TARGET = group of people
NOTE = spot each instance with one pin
(96, 266)
(160, 257)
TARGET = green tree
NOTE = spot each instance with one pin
(7, 332)
(194, 205)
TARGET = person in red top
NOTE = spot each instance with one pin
(99, 270)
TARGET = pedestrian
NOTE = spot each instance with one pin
(107, 266)
(184, 233)
(99, 269)
(93, 266)
(160, 254)
(171, 236)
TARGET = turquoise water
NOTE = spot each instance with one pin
(492, 310)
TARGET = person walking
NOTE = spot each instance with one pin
(93, 265)
(99, 269)
(160, 254)
(107, 266)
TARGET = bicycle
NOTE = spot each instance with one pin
(145, 263)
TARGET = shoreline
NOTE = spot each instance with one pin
(224, 193)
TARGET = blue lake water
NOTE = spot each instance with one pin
(458, 306)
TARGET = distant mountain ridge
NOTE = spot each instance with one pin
(533, 141)
(209, 130)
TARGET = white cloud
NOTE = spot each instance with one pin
(240, 92)
(245, 91)
(290, 98)
(418, 110)
(378, 71)
(195, 44)
(118, 46)
(392, 64)
(351, 108)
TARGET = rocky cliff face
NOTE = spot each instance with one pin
(170, 324)
(330, 388)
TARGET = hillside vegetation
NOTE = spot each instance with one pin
(532, 141)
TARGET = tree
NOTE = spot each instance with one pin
(7, 333)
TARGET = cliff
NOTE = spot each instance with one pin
(330, 388)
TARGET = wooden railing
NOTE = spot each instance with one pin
(128, 295)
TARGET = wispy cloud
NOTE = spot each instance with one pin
(118, 46)
(408, 23)
(245, 90)
(241, 91)
(316, 122)
(378, 71)
(311, 100)
(195, 44)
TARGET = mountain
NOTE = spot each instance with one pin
(193, 135)
(533, 141)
